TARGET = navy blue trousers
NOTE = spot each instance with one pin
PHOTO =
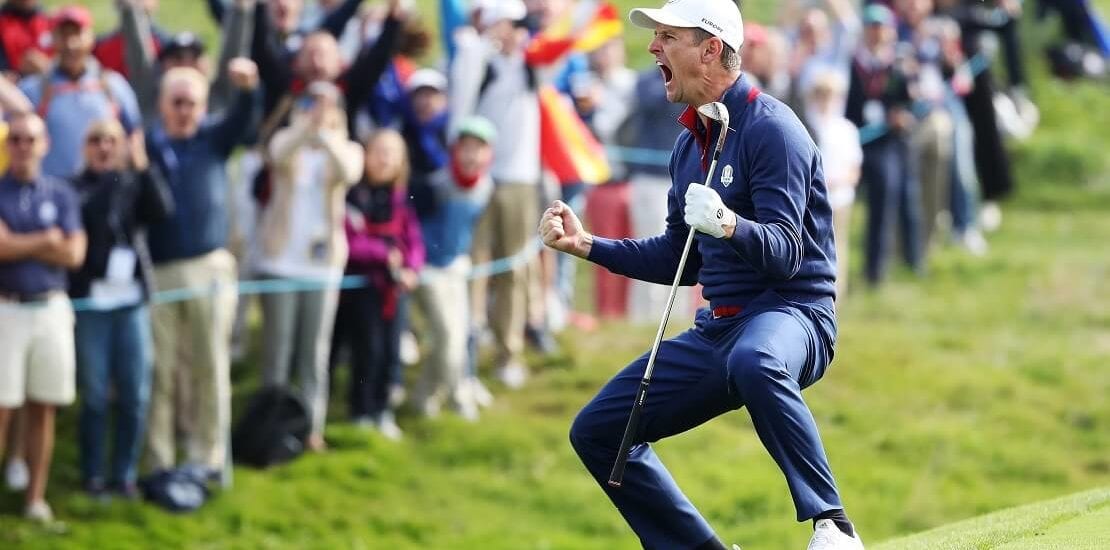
(760, 359)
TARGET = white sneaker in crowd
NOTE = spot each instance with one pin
(974, 242)
(827, 536)
(466, 409)
(397, 395)
(16, 475)
(39, 512)
(513, 376)
(479, 393)
(1010, 121)
(990, 216)
(410, 349)
(387, 426)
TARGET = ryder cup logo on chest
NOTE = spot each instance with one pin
(726, 175)
(48, 213)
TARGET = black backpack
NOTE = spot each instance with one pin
(273, 428)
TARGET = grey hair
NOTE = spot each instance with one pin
(730, 58)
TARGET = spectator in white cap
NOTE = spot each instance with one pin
(766, 262)
(425, 132)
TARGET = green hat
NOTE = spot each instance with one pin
(878, 14)
(478, 127)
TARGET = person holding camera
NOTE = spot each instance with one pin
(314, 163)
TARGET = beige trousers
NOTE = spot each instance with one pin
(191, 391)
(932, 144)
(440, 296)
(510, 221)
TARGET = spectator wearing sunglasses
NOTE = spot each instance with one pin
(40, 238)
(120, 195)
(191, 337)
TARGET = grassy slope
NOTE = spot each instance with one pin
(1074, 522)
(980, 388)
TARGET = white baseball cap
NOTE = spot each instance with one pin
(721, 18)
(493, 11)
(427, 78)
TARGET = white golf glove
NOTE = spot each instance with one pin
(706, 212)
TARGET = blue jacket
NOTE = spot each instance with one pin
(770, 175)
(449, 229)
(196, 169)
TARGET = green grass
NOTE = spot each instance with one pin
(978, 388)
(1074, 522)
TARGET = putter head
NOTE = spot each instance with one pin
(717, 111)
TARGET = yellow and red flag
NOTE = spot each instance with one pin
(567, 147)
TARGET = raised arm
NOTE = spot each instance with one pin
(240, 118)
(139, 55)
(371, 63)
(155, 202)
(217, 8)
(336, 20)
(238, 32)
(273, 67)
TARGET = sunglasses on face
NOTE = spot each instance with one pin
(21, 139)
(179, 102)
(102, 138)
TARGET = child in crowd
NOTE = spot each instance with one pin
(385, 247)
(443, 289)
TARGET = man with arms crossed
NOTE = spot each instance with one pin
(764, 255)
(40, 239)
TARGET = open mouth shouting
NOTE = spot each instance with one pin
(667, 73)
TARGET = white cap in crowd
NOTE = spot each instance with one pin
(492, 11)
(427, 78)
(721, 18)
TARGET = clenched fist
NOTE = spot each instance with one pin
(560, 229)
(243, 73)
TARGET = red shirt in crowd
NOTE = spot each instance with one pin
(20, 32)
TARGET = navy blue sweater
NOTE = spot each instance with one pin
(196, 169)
(770, 175)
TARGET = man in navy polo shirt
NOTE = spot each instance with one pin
(40, 238)
(765, 258)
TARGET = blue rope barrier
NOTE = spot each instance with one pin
(303, 284)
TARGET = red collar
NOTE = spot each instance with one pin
(689, 119)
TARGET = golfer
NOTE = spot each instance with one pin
(764, 255)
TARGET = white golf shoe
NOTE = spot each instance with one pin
(827, 536)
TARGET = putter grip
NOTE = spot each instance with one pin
(617, 475)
